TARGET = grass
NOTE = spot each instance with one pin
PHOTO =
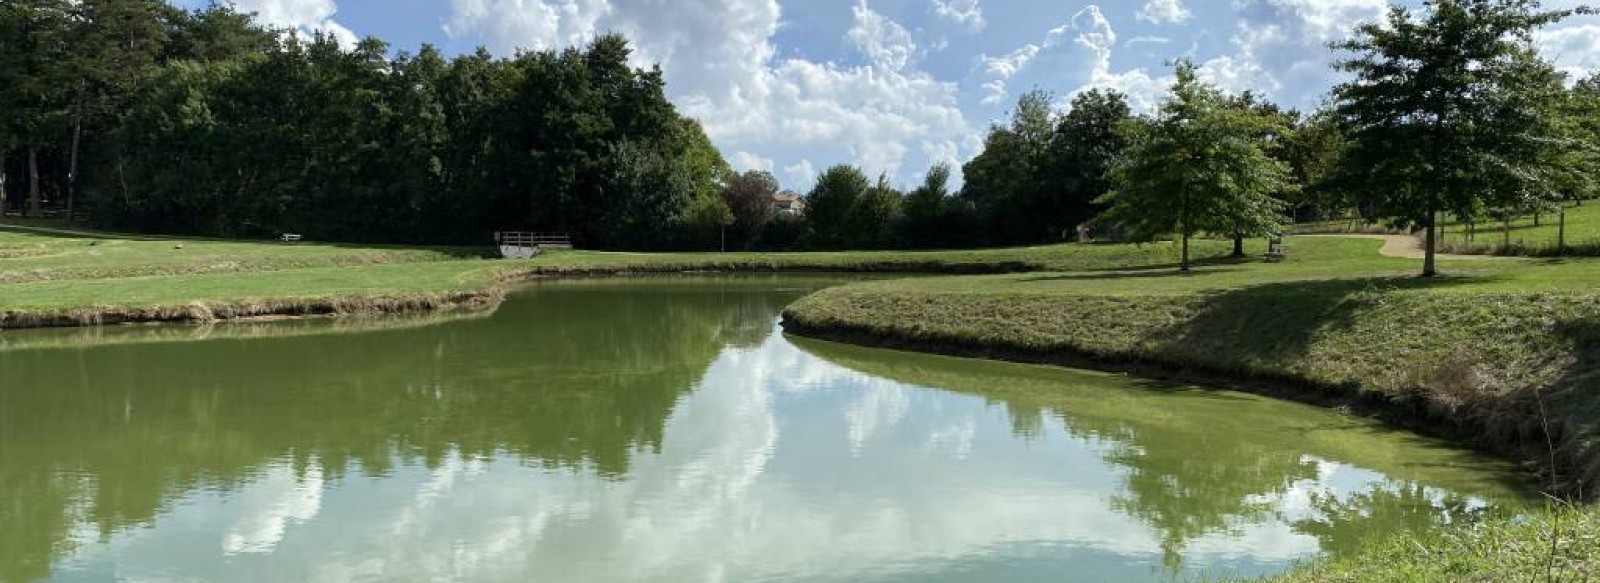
(1510, 550)
(1528, 236)
(31, 257)
(65, 280)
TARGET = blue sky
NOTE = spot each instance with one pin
(793, 86)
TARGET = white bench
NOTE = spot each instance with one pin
(291, 238)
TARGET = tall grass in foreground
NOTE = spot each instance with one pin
(1517, 549)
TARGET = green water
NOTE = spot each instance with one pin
(663, 430)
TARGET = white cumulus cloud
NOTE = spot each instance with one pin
(1075, 56)
(1574, 49)
(305, 17)
(1164, 12)
(966, 13)
(725, 71)
(884, 42)
(1280, 47)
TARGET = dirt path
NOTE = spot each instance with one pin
(1409, 247)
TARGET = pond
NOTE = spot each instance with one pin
(664, 429)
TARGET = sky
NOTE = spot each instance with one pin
(894, 86)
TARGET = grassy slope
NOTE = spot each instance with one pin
(1471, 352)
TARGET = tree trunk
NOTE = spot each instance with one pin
(1183, 265)
(122, 179)
(1238, 246)
(1561, 233)
(1429, 267)
(4, 154)
(32, 209)
(72, 164)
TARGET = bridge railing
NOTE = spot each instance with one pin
(531, 239)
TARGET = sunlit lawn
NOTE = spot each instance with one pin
(41, 272)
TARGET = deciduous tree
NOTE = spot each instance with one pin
(750, 196)
(1431, 127)
(831, 204)
(1199, 166)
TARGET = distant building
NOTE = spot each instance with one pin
(788, 203)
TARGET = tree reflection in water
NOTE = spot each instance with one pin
(1198, 462)
(575, 376)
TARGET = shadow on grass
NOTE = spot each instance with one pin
(1277, 320)
(1124, 273)
(1199, 264)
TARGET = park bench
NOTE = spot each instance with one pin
(1277, 252)
(291, 238)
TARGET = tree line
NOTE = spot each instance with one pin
(1447, 110)
(144, 117)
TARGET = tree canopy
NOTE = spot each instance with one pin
(1199, 166)
(205, 123)
(1447, 111)
(1038, 177)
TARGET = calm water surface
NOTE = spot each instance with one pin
(663, 430)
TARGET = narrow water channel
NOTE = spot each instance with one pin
(664, 430)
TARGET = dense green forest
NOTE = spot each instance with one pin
(143, 117)
(135, 115)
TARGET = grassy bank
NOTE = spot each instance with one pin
(1504, 355)
(1475, 355)
(1557, 545)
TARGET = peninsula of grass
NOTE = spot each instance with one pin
(1504, 355)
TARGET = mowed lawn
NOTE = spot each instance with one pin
(1583, 229)
(1312, 259)
(42, 272)
(48, 272)
(29, 257)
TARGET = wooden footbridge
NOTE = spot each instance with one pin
(526, 245)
